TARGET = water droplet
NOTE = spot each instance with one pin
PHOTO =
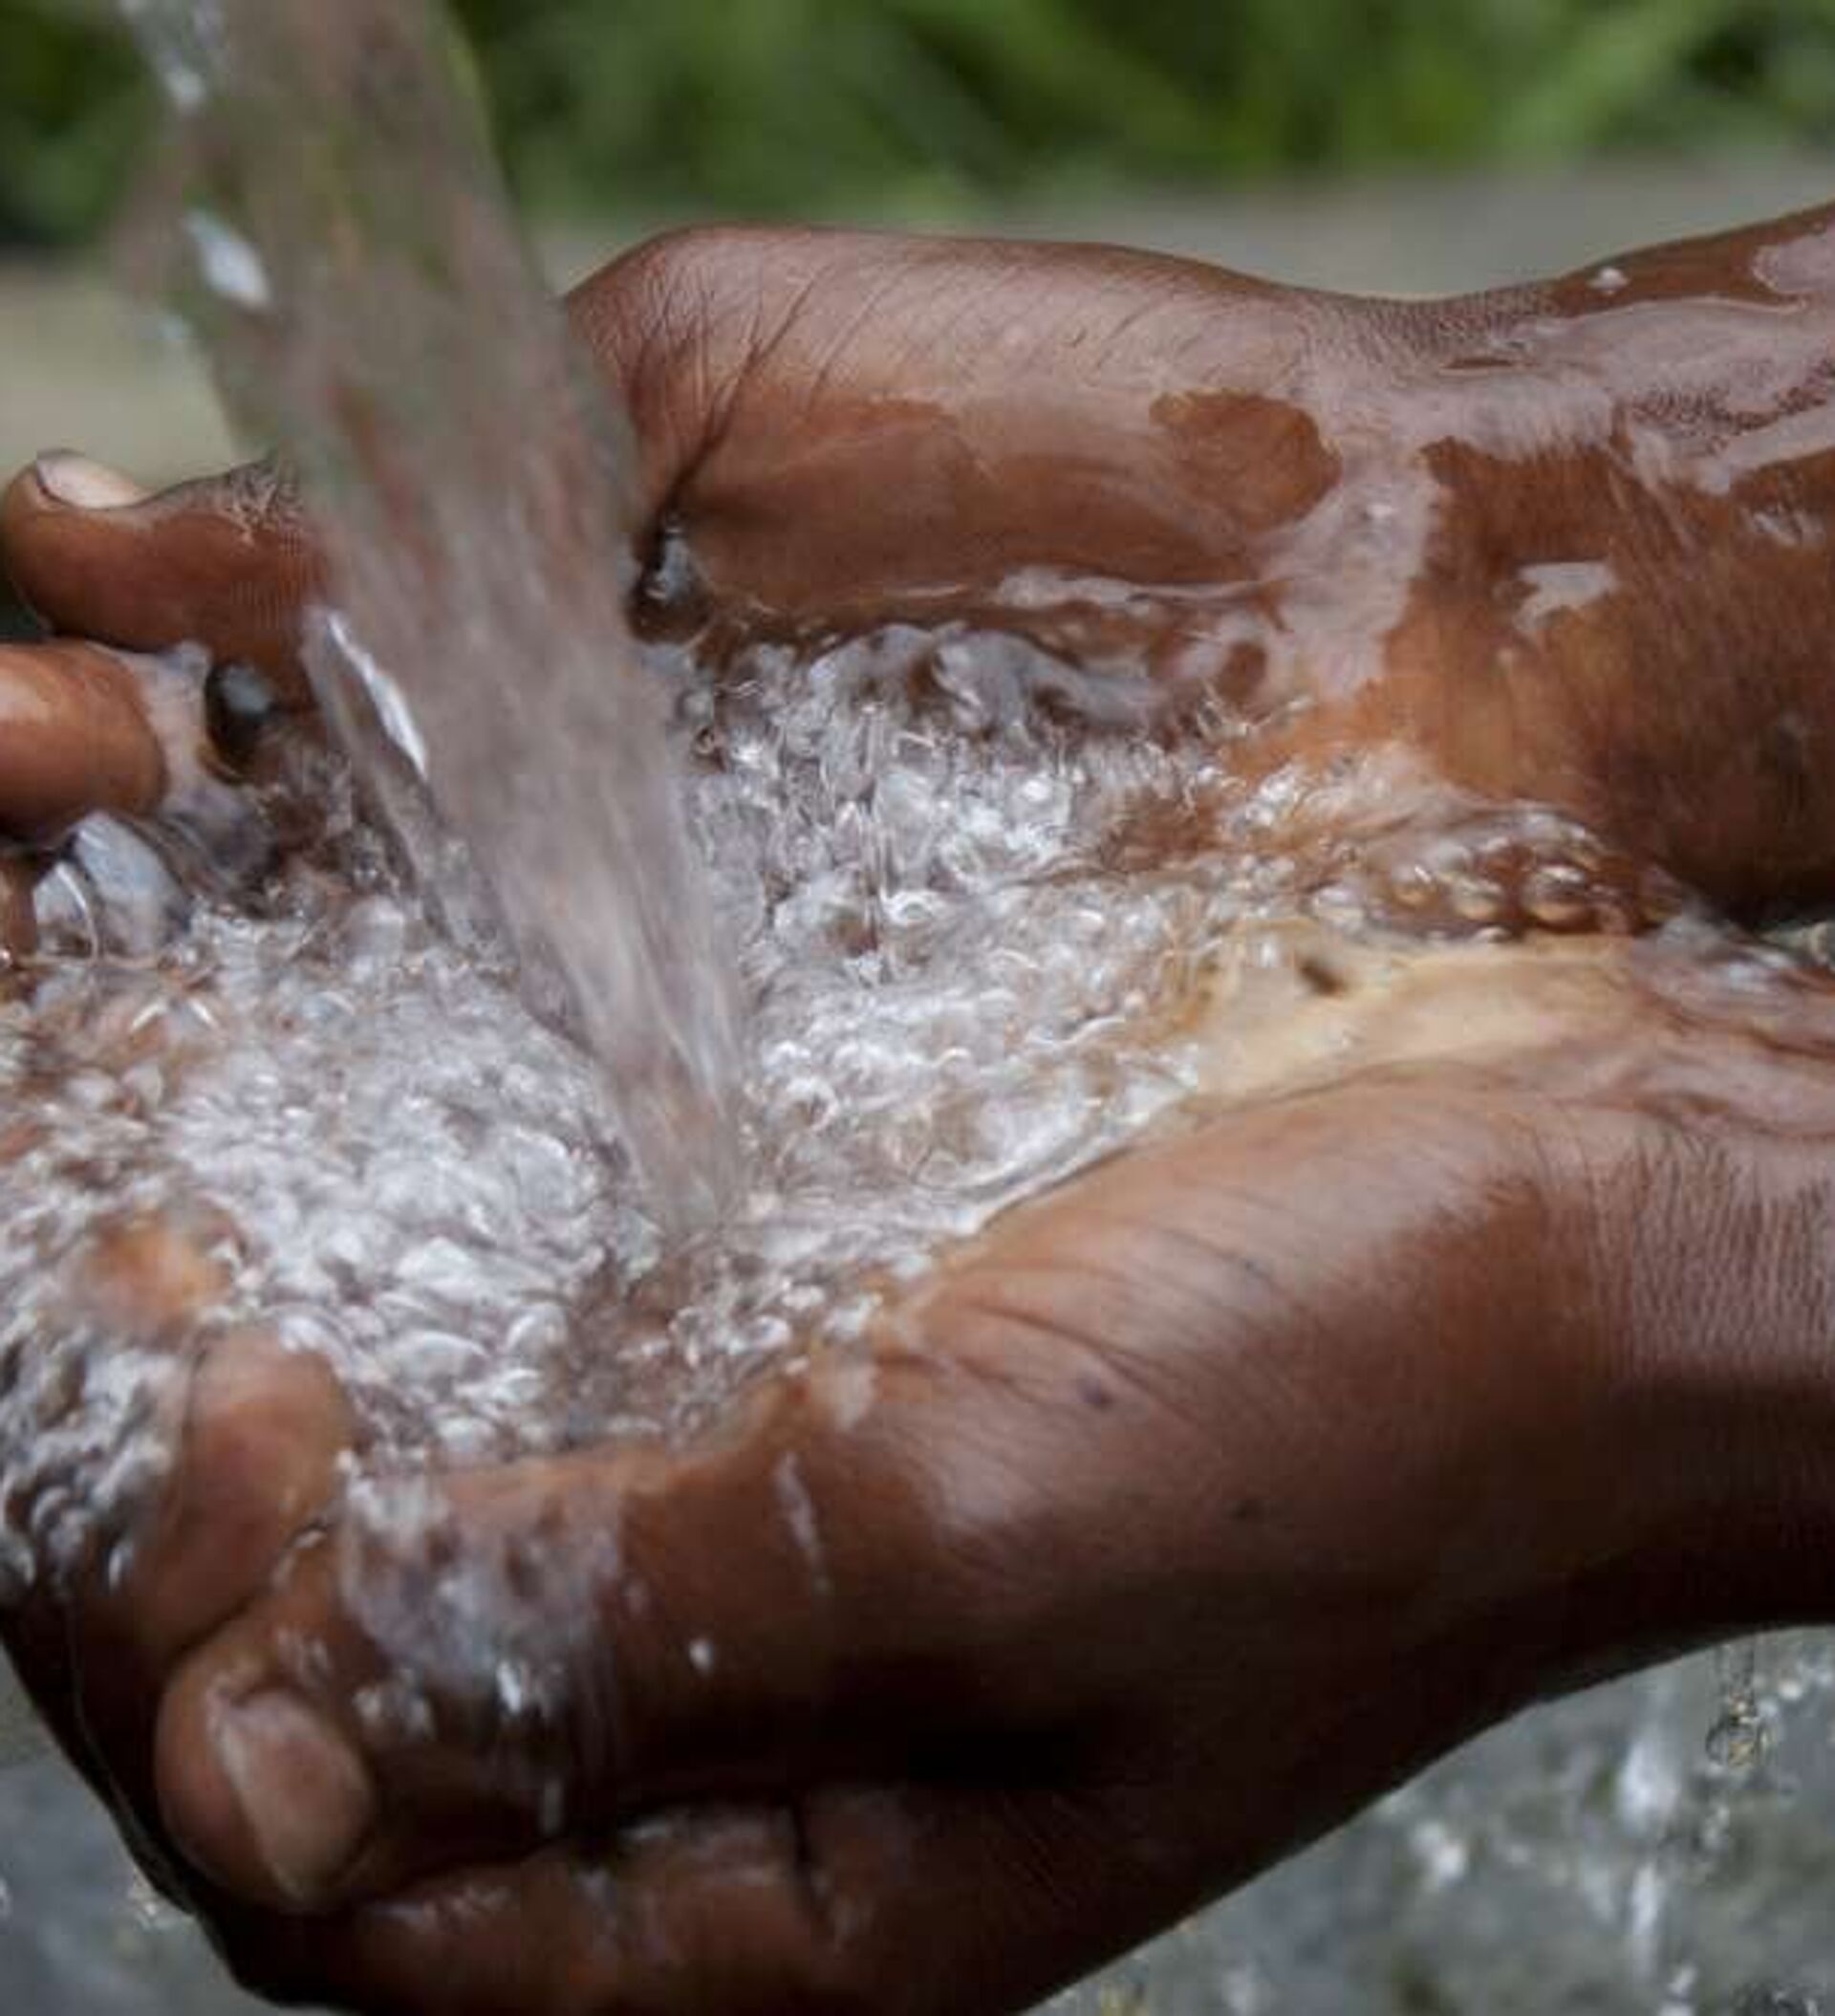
(1741, 1733)
(229, 265)
(146, 1910)
(1776, 2002)
(1739, 1738)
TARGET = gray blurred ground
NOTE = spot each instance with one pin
(1582, 1860)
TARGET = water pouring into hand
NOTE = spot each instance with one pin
(353, 267)
(1368, 1336)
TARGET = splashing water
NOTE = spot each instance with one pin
(348, 257)
(951, 1005)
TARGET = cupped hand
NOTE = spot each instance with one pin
(1152, 1535)
(1201, 1500)
(1567, 543)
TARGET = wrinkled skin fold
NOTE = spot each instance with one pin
(1474, 1350)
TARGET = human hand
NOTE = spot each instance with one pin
(1565, 543)
(994, 1727)
(1152, 1535)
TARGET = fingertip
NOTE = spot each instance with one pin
(145, 1276)
(259, 1790)
(224, 562)
(24, 503)
(269, 1431)
(262, 1793)
(75, 738)
(260, 1458)
(47, 505)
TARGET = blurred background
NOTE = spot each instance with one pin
(944, 108)
(1379, 145)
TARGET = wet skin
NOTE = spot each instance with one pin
(1478, 1345)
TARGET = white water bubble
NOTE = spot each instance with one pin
(228, 264)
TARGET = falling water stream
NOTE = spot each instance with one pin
(627, 1019)
(344, 248)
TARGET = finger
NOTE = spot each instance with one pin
(260, 1458)
(898, 1903)
(258, 1442)
(141, 1284)
(258, 1462)
(559, 1644)
(74, 739)
(224, 563)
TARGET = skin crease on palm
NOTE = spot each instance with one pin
(1473, 1341)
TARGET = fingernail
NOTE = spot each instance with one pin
(84, 485)
(305, 1795)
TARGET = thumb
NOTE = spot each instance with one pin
(539, 1649)
(225, 562)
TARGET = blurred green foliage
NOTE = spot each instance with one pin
(762, 106)
(72, 110)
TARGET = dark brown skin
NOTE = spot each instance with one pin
(1204, 1499)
